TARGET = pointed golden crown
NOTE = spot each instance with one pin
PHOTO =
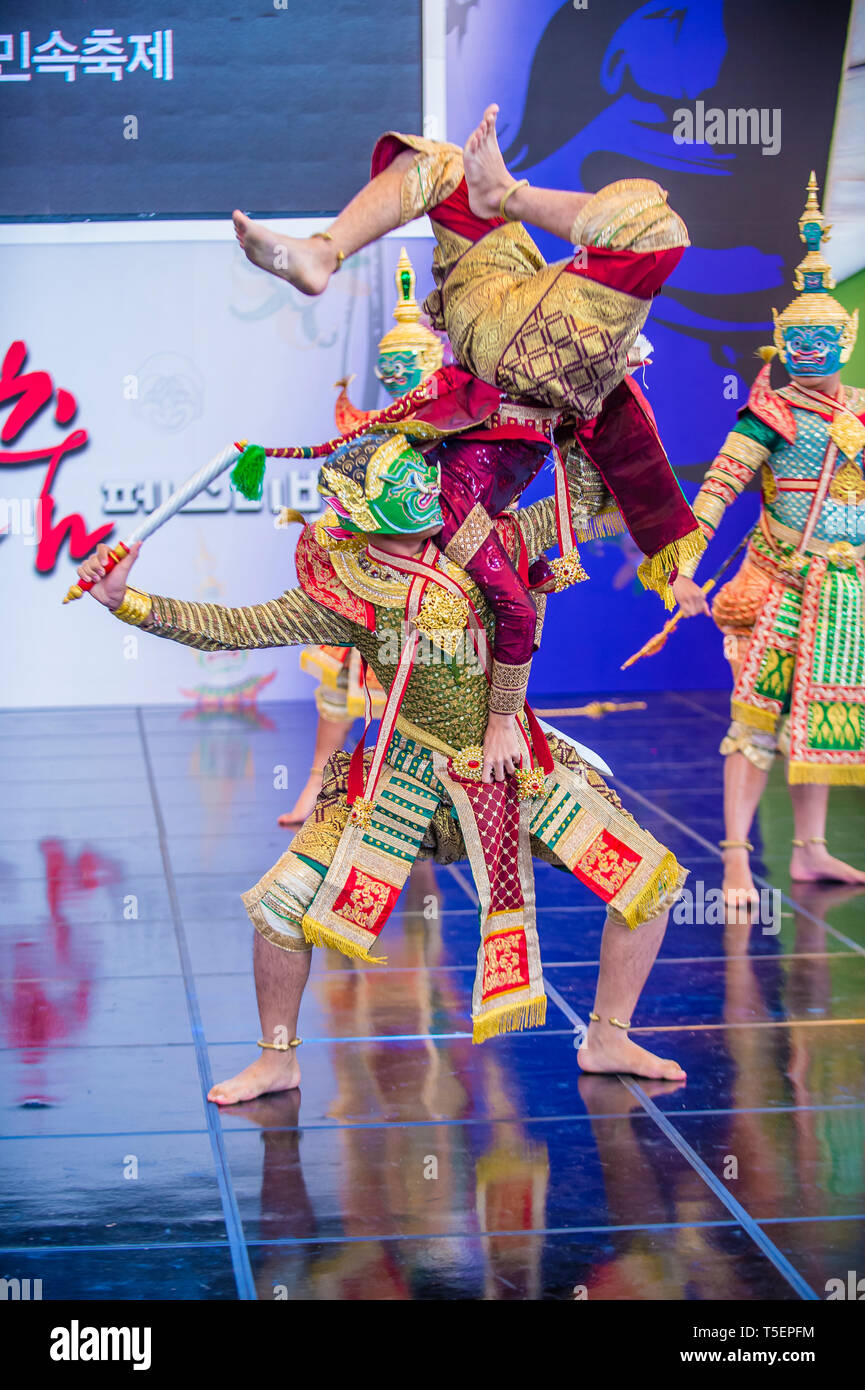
(813, 278)
(410, 335)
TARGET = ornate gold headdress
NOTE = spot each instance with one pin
(410, 335)
(813, 278)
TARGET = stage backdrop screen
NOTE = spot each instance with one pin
(161, 108)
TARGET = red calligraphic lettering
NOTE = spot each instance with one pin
(32, 393)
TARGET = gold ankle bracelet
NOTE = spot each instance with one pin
(596, 1018)
(280, 1047)
(811, 840)
(736, 844)
(514, 188)
(340, 255)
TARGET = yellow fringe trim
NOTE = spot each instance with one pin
(767, 353)
(850, 776)
(609, 523)
(319, 935)
(654, 572)
(754, 718)
(510, 1018)
(648, 902)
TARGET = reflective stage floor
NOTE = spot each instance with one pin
(410, 1165)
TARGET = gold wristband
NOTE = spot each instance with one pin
(688, 567)
(134, 608)
(522, 183)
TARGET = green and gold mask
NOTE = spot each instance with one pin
(379, 483)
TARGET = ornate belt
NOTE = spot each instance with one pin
(784, 540)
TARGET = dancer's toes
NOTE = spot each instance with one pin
(241, 222)
(307, 264)
(608, 1050)
(741, 899)
(304, 805)
(812, 863)
(277, 1071)
(487, 177)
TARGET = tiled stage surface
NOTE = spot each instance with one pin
(411, 1165)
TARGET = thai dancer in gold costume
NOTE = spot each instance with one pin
(543, 354)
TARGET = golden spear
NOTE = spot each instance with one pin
(654, 644)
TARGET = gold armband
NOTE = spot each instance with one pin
(134, 608)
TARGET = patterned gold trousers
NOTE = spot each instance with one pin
(337, 883)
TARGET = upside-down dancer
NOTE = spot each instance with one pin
(542, 353)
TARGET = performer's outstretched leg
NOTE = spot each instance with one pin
(811, 861)
(308, 262)
(280, 979)
(626, 959)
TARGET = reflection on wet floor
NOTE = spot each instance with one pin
(410, 1165)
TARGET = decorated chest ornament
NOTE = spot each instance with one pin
(379, 486)
(815, 334)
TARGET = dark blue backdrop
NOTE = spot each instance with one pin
(271, 109)
(590, 95)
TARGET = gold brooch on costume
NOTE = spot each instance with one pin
(769, 485)
(360, 813)
(442, 618)
(531, 782)
(848, 485)
(848, 433)
(567, 570)
(842, 554)
(468, 764)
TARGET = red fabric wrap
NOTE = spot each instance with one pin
(456, 215)
(639, 273)
(540, 747)
(622, 442)
(494, 475)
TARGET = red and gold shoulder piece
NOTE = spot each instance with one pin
(770, 407)
(319, 579)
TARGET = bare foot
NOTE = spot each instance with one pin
(304, 804)
(741, 899)
(486, 175)
(609, 1049)
(812, 863)
(305, 263)
(272, 1071)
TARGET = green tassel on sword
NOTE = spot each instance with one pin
(654, 644)
(247, 475)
